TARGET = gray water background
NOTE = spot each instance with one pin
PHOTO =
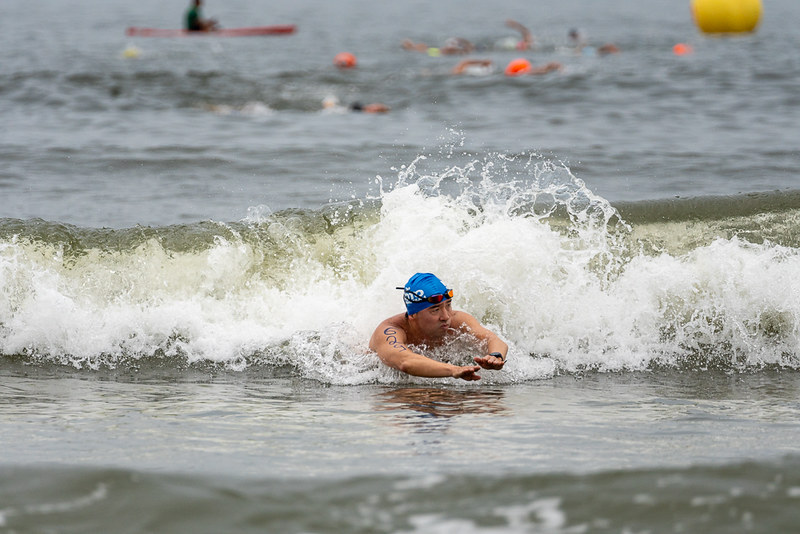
(205, 128)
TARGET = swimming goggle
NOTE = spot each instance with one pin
(433, 299)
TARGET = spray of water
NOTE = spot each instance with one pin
(528, 248)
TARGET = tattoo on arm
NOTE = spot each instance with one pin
(391, 338)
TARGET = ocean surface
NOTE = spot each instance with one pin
(194, 251)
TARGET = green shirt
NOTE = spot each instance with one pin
(193, 19)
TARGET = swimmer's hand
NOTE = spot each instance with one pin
(490, 361)
(467, 372)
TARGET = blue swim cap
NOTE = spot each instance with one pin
(417, 290)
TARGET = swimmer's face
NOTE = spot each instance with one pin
(434, 321)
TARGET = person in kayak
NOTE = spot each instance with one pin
(195, 21)
(430, 321)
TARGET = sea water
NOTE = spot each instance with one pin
(193, 254)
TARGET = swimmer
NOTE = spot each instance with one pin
(457, 45)
(431, 321)
(527, 39)
(608, 48)
(331, 104)
(580, 44)
(411, 46)
(452, 46)
(576, 38)
(547, 67)
(474, 67)
(375, 107)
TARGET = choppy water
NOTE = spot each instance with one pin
(196, 129)
(179, 450)
(193, 254)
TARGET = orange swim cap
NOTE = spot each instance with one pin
(344, 60)
(681, 49)
(518, 66)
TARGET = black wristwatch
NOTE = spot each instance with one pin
(497, 355)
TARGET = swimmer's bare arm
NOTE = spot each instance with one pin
(389, 342)
(527, 38)
(493, 343)
(548, 67)
(466, 63)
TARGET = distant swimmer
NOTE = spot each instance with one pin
(452, 46)
(457, 45)
(576, 38)
(331, 103)
(516, 67)
(608, 48)
(461, 46)
(474, 67)
(526, 42)
(430, 321)
(580, 44)
(411, 46)
(195, 21)
(375, 107)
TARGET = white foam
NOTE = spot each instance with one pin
(527, 248)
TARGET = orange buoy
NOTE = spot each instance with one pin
(344, 60)
(518, 66)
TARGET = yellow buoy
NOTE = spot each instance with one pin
(726, 16)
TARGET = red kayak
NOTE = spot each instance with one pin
(135, 31)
